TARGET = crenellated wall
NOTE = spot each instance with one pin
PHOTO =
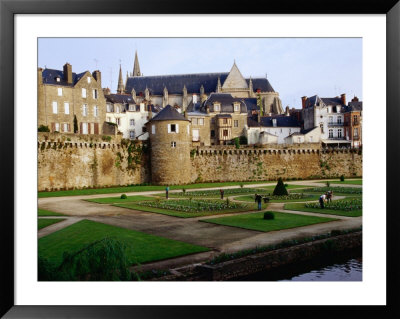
(214, 164)
(78, 161)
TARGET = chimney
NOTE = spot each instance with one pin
(303, 101)
(68, 73)
(287, 112)
(40, 76)
(258, 90)
(106, 91)
(343, 98)
(97, 75)
(354, 99)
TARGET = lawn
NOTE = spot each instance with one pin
(43, 212)
(42, 223)
(186, 209)
(301, 207)
(141, 247)
(118, 200)
(337, 190)
(307, 197)
(255, 221)
(139, 188)
(347, 181)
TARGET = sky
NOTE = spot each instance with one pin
(295, 67)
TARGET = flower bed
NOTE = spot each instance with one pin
(195, 206)
(216, 192)
(342, 190)
(346, 205)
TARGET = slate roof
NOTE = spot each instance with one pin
(119, 98)
(251, 104)
(353, 106)
(324, 101)
(226, 100)
(169, 113)
(281, 121)
(193, 82)
(49, 77)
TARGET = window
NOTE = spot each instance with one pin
(196, 137)
(144, 129)
(201, 121)
(330, 133)
(236, 107)
(55, 107)
(172, 128)
(339, 133)
(356, 132)
(109, 108)
(153, 129)
(339, 120)
(132, 122)
(57, 127)
(173, 144)
(66, 107)
(224, 121)
(132, 134)
(132, 107)
(117, 109)
(66, 127)
(83, 92)
(58, 79)
(355, 119)
(321, 125)
(235, 123)
(194, 121)
(213, 120)
(84, 128)
(94, 93)
(330, 121)
(59, 91)
(212, 133)
(118, 121)
(95, 111)
(84, 110)
(217, 107)
(89, 79)
(225, 133)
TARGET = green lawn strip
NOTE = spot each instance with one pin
(181, 214)
(347, 181)
(117, 200)
(141, 247)
(139, 188)
(42, 223)
(250, 198)
(43, 212)
(255, 221)
(300, 207)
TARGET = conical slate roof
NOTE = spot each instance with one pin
(169, 113)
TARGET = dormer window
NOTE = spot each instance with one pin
(58, 79)
(217, 107)
(236, 107)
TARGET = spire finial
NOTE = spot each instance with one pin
(136, 67)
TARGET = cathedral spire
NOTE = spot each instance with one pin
(120, 88)
(136, 67)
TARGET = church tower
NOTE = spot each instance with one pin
(136, 67)
(121, 87)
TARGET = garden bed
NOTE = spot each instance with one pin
(297, 197)
(351, 207)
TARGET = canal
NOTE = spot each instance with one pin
(341, 267)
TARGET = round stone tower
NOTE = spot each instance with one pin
(170, 142)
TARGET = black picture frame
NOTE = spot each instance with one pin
(8, 9)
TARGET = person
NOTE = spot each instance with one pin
(258, 199)
(222, 193)
(329, 196)
(322, 200)
(166, 192)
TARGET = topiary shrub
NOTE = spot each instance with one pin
(243, 140)
(123, 196)
(280, 189)
(236, 141)
(269, 215)
(341, 178)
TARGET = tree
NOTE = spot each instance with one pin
(75, 124)
(280, 189)
(243, 140)
(237, 144)
(259, 104)
(43, 128)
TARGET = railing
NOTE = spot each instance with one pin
(335, 124)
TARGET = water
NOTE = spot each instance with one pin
(344, 267)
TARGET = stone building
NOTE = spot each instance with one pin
(328, 115)
(170, 143)
(181, 90)
(65, 94)
(353, 122)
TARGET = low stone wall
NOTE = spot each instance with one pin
(282, 257)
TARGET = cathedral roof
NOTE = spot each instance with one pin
(119, 98)
(49, 77)
(169, 113)
(193, 82)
